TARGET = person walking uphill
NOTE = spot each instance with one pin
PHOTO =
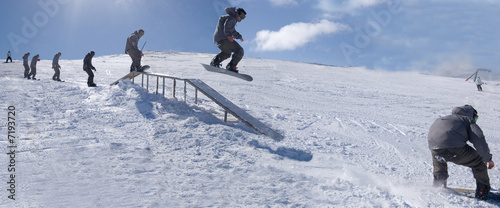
(131, 48)
(34, 60)
(87, 67)
(448, 137)
(25, 64)
(56, 67)
(224, 36)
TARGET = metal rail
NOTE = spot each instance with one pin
(227, 105)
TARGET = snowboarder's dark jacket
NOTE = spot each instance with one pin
(133, 38)
(25, 59)
(55, 61)
(34, 60)
(87, 62)
(225, 26)
(453, 131)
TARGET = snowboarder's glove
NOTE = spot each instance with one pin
(490, 164)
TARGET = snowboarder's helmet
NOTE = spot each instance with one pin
(141, 32)
(241, 12)
(92, 52)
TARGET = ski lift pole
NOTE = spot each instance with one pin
(475, 73)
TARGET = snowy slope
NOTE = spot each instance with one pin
(353, 137)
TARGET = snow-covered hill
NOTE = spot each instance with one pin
(353, 137)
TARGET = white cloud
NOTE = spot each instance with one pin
(349, 6)
(283, 2)
(295, 35)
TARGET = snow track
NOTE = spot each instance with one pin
(353, 137)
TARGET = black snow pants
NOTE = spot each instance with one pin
(57, 73)
(91, 76)
(226, 48)
(466, 156)
(26, 70)
(136, 60)
(33, 72)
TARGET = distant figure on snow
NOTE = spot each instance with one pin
(8, 57)
(224, 36)
(448, 137)
(87, 67)
(25, 64)
(56, 67)
(34, 60)
(131, 48)
(479, 83)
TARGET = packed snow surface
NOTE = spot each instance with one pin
(353, 137)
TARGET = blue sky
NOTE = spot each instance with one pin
(443, 36)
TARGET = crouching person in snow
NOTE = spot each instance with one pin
(87, 67)
(34, 60)
(448, 137)
(224, 37)
(56, 67)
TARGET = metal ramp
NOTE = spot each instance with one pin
(199, 85)
(234, 110)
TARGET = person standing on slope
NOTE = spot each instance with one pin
(224, 37)
(448, 137)
(34, 60)
(87, 67)
(8, 57)
(25, 64)
(56, 67)
(479, 83)
(131, 48)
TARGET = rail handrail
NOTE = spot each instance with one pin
(220, 100)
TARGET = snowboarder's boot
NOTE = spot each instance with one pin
(482, 192)
(140, 69)
(215, 62)
(92, 85)
(231, 67)
(439, 183)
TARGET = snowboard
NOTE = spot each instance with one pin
(492, 196)
(132, 74)
(224, 71)
(144, 68)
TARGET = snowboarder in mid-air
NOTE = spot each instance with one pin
(56, 67)
(34, 60)
(133, 51)
(87, 67)
(224, 37)
(26, 65)
(448, 137)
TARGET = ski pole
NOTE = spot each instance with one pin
(143, 45)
